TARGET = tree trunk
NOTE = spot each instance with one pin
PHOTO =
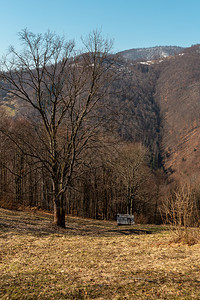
(131, 206)
(59, 215)
(59, 210)
(155, 212)
(128, 200)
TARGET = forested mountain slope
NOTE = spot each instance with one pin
(138, 113)
(158, 104)
(178, 96)
(162, 109)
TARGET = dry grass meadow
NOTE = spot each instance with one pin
(93, 260)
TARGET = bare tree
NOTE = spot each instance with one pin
(131, 166)
(65, 92)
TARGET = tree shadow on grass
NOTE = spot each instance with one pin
(40, 224)
(131, 231)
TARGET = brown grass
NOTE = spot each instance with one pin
(93, 260)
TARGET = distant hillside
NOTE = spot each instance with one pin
(178, 96)
(162, 107)
(150, 53)
(139, 114)
(158, 104)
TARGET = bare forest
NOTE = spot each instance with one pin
(92, 134)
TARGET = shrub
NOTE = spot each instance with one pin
(180, 211)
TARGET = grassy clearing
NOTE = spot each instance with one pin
(93, 260)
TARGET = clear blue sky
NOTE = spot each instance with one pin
(131, 23)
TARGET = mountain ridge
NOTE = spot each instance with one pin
(150, 53)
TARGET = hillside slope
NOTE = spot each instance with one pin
(178, 96)
(150, 53)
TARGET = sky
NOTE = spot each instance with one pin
(130, 23)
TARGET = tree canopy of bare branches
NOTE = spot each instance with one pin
(65, 91)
